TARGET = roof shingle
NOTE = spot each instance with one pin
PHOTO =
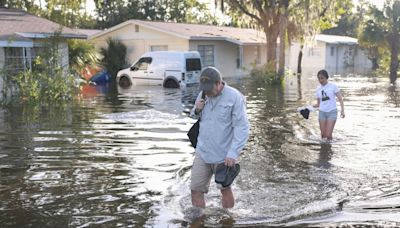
(17, 21)
(198, 31)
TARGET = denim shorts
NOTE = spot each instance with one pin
(331, 115)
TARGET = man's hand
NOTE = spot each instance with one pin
(199, 106)
(230, 162)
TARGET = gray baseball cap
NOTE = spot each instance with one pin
(208, 77)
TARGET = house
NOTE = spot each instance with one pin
(232, 50)
(23, 37)
(88, 32)
(336, 54)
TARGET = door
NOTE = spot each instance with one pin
(139, 72)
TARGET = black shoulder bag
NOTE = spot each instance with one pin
(193, 132)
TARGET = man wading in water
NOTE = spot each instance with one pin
(224, 131)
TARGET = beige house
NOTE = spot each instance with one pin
(232, 50)
(336, 54)
(23, 37)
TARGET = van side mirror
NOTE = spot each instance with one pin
(133, 68)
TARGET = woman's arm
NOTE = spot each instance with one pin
(316, 105)
(340, 98)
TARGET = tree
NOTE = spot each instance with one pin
(111, 13)
(312, 17)
(381, 31)
(113, 57)
(81, 54)
(393, 37)
(267, 14)
(288, 20)
(67, 13)
(349, 23)
(26, 5)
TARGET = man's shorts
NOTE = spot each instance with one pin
(201, 174)
(332, 115)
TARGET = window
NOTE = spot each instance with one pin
(314, 51)
(159, 48)
(193, 65)
(136, 28)
(207, 54)
(15, 58)
(332, 51)
(142, 64)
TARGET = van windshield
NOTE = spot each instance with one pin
(193, 64)
(142, 64)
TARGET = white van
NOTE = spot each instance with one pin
(171, 69)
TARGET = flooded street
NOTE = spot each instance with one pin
(123, 160)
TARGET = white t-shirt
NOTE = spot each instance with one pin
(327, 96)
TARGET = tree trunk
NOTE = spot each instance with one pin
(282, 47)
(394, 54)
(394, 40)
(375, 64)
(271, 33)
(299, 59)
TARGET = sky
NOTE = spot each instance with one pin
(378, 3)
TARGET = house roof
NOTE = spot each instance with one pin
(197, 32)
(27, 25)
(332, 39)
(88, 32)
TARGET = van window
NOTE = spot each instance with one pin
(193, 64)
(142, 64)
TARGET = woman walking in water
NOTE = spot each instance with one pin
(326, 101)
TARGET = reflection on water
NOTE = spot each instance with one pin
(122, 158)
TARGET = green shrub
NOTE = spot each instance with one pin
(264, 75)
(47, 83)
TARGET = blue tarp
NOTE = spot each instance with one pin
(101, 77)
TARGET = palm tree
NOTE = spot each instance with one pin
(113, 57)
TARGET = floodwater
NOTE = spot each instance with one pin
(123, 160)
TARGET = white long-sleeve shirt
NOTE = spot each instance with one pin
(224, 127)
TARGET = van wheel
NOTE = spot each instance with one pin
(124, 82)
(171, 84)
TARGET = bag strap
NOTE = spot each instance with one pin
(203, 96)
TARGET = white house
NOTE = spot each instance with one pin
(336, 54)
(23, 37)
(233, 50)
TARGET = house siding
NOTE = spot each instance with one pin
(2, 58)
(140, 42)
(347, 59)
(362, 64)
(63, 53)
(250, 56)
(225, 55)
(64, 57)
(225, 52)
(313, 57)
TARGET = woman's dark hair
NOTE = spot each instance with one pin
(323, 73)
